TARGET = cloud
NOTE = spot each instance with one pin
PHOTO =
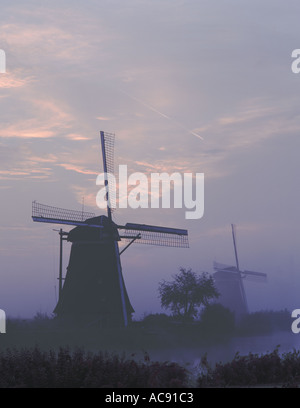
(249, 125)
(77, 168)
(20, 163)
(248, 114)
(164, 166)
(51, 42)
(84, 196)
(77, 137)
(25, 173)
(104, 118)
(241, 227)
(47, 119)
(14, 79)
(25, 130)
(50, 158)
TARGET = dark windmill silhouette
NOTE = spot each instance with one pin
(229, 281)
(94, 288)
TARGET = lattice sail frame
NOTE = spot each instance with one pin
(47, 213)
(158, 239)
(250, 275)
(149, 234)
(159, 236)
(109, 145)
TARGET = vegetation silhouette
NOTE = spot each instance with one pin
(51, 352)
(39, 352)
(187, 293)
(253, 370)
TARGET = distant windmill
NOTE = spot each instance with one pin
(94, 287)
(229, 281)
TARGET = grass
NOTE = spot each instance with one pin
(44, 352)
(66, 368)
(34, 368)
(254, 370)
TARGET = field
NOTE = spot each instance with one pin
(44, 352)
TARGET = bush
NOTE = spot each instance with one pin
(157, 320)
(33, 368)
(217, 320)
(253, 370)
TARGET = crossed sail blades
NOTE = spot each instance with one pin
(139, 233)
(230, 283)
(142, 233)
(219, 267)
(107, 147)
(236, 269)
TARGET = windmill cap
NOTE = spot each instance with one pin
(93, 234)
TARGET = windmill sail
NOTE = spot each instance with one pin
(229, 281)
(154, 235)
(94, 287)
(56, 215)
(107, 145)
(222, 267)
(255, 274)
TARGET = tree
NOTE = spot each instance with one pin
(187, 293)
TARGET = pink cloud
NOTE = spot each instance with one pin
(76, 168)
(10, 80)
(77, 137)
(103, 118)
(50, 118)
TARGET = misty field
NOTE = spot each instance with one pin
(34, 368)
(44, 352)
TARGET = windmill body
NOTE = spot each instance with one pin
(229, 281)
(91, 290)
(230, 286)
(94, 288)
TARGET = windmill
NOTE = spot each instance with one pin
(229, 281)
(94, 288)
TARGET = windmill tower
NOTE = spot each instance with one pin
(229, 281)
(94, 288)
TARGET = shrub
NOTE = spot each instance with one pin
(33, 368)
(254, 369)
(217, 320)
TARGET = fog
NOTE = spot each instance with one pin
(189, 87)
(225, 351)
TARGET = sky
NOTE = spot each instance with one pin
(189, 86)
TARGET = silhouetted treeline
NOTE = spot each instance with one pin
(216, 325)
(264, 322)
(216, 320)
